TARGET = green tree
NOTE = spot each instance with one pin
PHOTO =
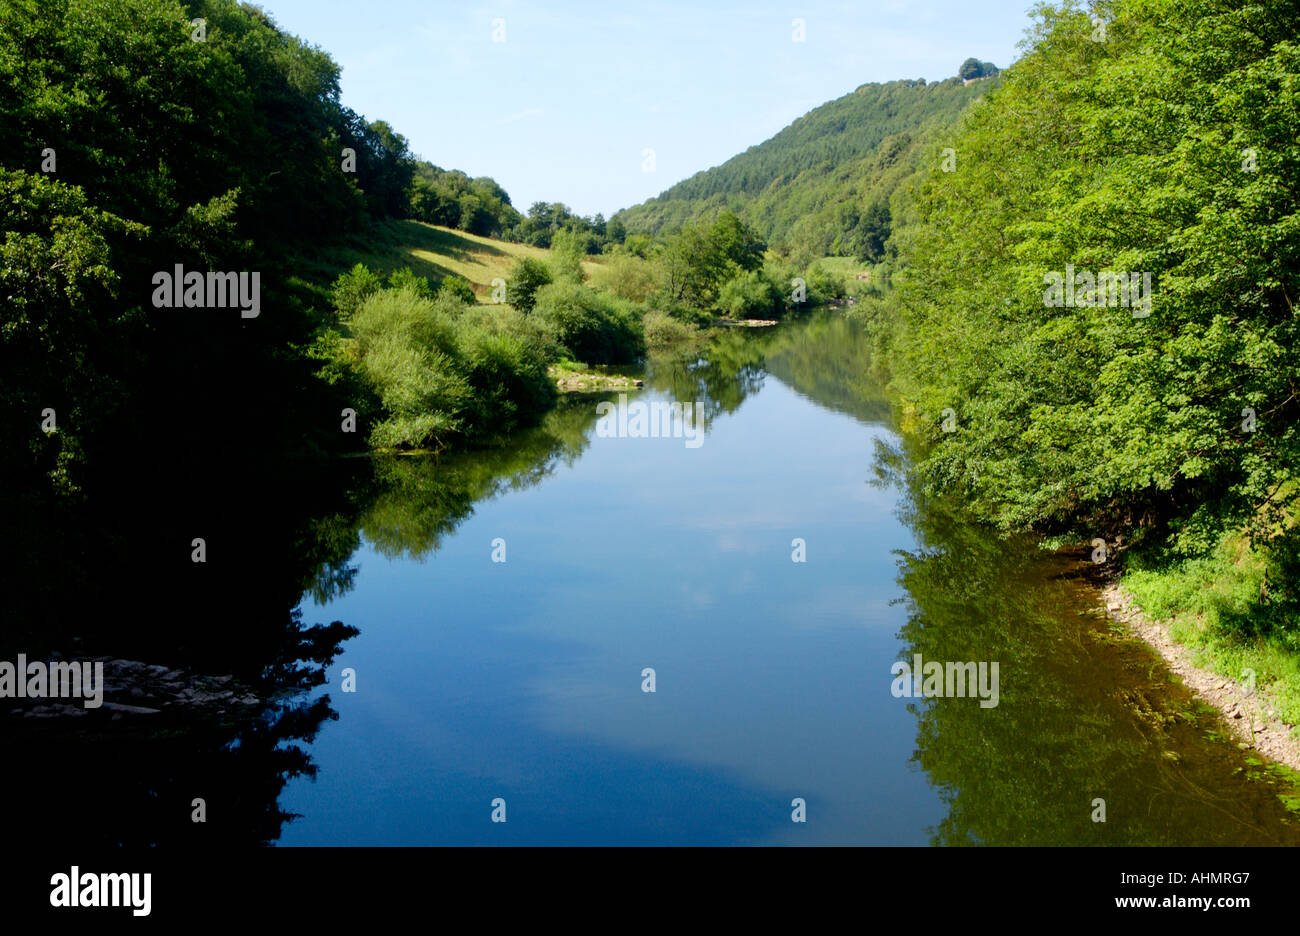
(526, 277)
(701, 257)
(568, 250)
(1096, 417)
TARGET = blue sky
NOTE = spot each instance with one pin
(564, 108)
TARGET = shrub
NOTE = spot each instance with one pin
(353, 288)
(406, 278)
(441, 367)
(593, 327)
(823, 286)
(661, 329)
(508, 376)
(626, 276)
(457, 287)
(526, 277)
(750, 295)
(568, 250)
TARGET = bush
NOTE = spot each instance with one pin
(782, 276)
(353, 288)
(823, 286)
(506, 367)
(441, 367)
(750, 295)
(639, 245)
(593, 327)
(406, 278)
(568, 250)
(526, 277)
(626, 276)
(457, 287)
(661, 329)
(681, 312)
(406, 352)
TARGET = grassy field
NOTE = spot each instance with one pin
(429, 250)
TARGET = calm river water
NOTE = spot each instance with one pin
(515, 688)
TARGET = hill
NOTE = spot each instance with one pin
(823, 184)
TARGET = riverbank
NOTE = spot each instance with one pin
(1251, 715)
(133, 688)
(590, 380)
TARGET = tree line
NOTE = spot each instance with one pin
(1147, 141)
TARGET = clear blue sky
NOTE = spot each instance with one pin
(564, 107)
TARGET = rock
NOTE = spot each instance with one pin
(130, 709)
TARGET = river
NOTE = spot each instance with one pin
(511, 604)
(399, 650)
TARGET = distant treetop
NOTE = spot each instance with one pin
(974, 68)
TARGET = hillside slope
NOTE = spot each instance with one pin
(428, 250)
(822, 185)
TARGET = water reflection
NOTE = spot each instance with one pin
(228, 709)
(1086, 714)
(522, 681)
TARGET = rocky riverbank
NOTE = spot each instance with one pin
(135, 689)
(1249, 714)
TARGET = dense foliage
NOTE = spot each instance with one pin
(712, 267)
(442, 369)
(592, 327)
(1148, 137)
(481, 206)
(973, 68)
(1169, 149)
(453, 199)
(130, 142)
